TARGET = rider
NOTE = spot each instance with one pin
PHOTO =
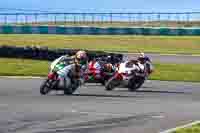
(142, 58)
(77, 63)
(109, 65)
(145, 60)
(136, 64)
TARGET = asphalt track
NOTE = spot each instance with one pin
(157, 106)
(176, 58)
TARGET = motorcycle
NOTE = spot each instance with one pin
(146, 72)
(129, 75)
(59, 79)
(122, 78)
(97, 75)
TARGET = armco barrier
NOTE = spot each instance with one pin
(9, 29)
(43, 53)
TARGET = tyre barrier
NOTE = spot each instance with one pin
(44, 53)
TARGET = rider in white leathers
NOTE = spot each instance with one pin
(127, 66)
(138, 64)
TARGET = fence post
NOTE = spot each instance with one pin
(16, 18)
(102, 18)
(129, 18)
(83, 15)
(5, 19)
(65, 18)
(26, 19)
(158, 17)
(92, 18)
(149, 20)
(188, 17)
(168, 20)
(139, 17)
(74, 18)
(35, 18)
(55, 21)
(111, 18)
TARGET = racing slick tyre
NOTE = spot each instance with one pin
(103, 82)
(111, 84)
(45, 87)
(140, 83)
(132, 85)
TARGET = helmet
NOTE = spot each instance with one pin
(144, 58)
(81, 57)
(81, 54)
(141, 55)
(108, 67)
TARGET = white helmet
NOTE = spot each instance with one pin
(142, 55)
(81, 55)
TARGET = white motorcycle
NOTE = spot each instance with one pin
(130, 75)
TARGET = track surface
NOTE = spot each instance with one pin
(156, 107)
(183, 59)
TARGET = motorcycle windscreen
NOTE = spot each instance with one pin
(64, 70)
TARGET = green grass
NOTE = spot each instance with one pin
(25, 67)
(126, 43)
(192, 129)
(176, 72)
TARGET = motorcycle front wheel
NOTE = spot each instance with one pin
(140, 83)
(45, 87)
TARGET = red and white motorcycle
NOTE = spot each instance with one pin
(98, 72)
(130, 74)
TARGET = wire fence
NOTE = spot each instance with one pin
(153, 19)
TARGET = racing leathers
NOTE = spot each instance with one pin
(72, 68)
(131, 65)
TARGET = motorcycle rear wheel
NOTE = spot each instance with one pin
(111, 84)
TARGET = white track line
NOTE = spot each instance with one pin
(179, 127)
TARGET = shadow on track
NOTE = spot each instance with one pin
(108, 95)
(151, 91)
(145, 89)
(127, 95)
(159, 92)
(103, 95)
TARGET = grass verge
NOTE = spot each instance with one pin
(170, 72)
(193, 129)
(125, 43)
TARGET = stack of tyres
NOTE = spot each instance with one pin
(43, 53)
